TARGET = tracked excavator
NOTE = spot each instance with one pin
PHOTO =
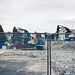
(69, 36)
(22, 39)
(64, 29)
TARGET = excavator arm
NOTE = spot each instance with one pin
(65, 29)
(20, 30)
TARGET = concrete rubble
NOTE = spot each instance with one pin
(63, 57)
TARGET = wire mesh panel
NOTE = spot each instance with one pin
(62, 54)
(23, 54)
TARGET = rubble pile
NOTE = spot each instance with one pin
(63, 58)
(56, 45)
(69, 45)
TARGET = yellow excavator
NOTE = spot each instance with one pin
(22, 39)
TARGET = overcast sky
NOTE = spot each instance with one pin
(37, 15)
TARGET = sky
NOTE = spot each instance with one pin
(37, 15)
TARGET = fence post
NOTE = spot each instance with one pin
(48, 55)
(50, 52)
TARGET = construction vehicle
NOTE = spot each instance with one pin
(22, 39)
(68, 33)
(3, 37)
(63, 29)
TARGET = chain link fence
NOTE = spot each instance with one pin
(37, 54)
(61, 50)
(23, 54)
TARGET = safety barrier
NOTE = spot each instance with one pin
(23, 54)
(37, 53)
(61, 54)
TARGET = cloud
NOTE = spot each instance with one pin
(36, 15)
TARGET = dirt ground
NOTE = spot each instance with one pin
(63, 57)
(34, 62)
(23, 62)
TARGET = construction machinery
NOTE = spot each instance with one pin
(3, 37)
(69, 36)
(22, 39)
(63, 29)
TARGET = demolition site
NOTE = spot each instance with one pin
(25, 53)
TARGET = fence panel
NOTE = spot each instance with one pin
(61, 49)
(23, 54)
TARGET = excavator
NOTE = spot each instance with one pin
(22, 39)
(3, 37)
(64, 29)
(68, 33)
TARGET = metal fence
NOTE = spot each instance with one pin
(22, 40)
(37, 54)
(23, 54)
(61, 54)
